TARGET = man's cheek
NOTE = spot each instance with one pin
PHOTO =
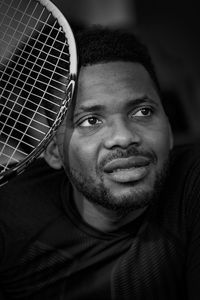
(78, 158)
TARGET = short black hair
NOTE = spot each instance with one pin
(99, 44)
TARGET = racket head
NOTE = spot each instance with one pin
(38, 69)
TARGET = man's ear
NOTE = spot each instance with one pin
(52, 155)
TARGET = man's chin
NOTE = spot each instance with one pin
(133, 195)
(125, 201)
(127, 195)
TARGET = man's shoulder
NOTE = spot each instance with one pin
(34, 194)
(186, 156)
(184, 175)
(36, 177)
(29, 204)
(179, 203)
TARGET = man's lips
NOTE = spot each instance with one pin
(126, 163)
(130, 169)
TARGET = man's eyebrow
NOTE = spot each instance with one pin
(143, 99)
(89, 108)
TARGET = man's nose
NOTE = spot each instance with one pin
(121, 133)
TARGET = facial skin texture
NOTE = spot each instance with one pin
(115, 143)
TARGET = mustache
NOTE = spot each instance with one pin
(127, 153)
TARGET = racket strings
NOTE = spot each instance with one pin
(33, 78)
(23, 70)
(30, 18)
(21, 132)
(28, 109)
(20, 64)
(12, 83)
(8, 18)
(21, 121)
(36, 55)
(8, 158)
(26, 89)
(14, 40)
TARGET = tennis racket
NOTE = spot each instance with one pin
(38, 67)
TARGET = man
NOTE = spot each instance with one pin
(115, 215)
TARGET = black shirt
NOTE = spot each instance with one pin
(48, 252)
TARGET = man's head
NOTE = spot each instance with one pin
(115, 142)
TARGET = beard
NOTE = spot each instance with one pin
(102, 196)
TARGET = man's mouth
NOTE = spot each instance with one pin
(125, 170)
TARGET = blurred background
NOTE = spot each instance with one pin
(171, 30)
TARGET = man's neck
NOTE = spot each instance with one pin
(101, 218)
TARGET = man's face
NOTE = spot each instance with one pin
(115, 145)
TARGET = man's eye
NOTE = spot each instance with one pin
(143, 112)
(92, 121)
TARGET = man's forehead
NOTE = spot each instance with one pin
(104, 75)
(112, 78)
